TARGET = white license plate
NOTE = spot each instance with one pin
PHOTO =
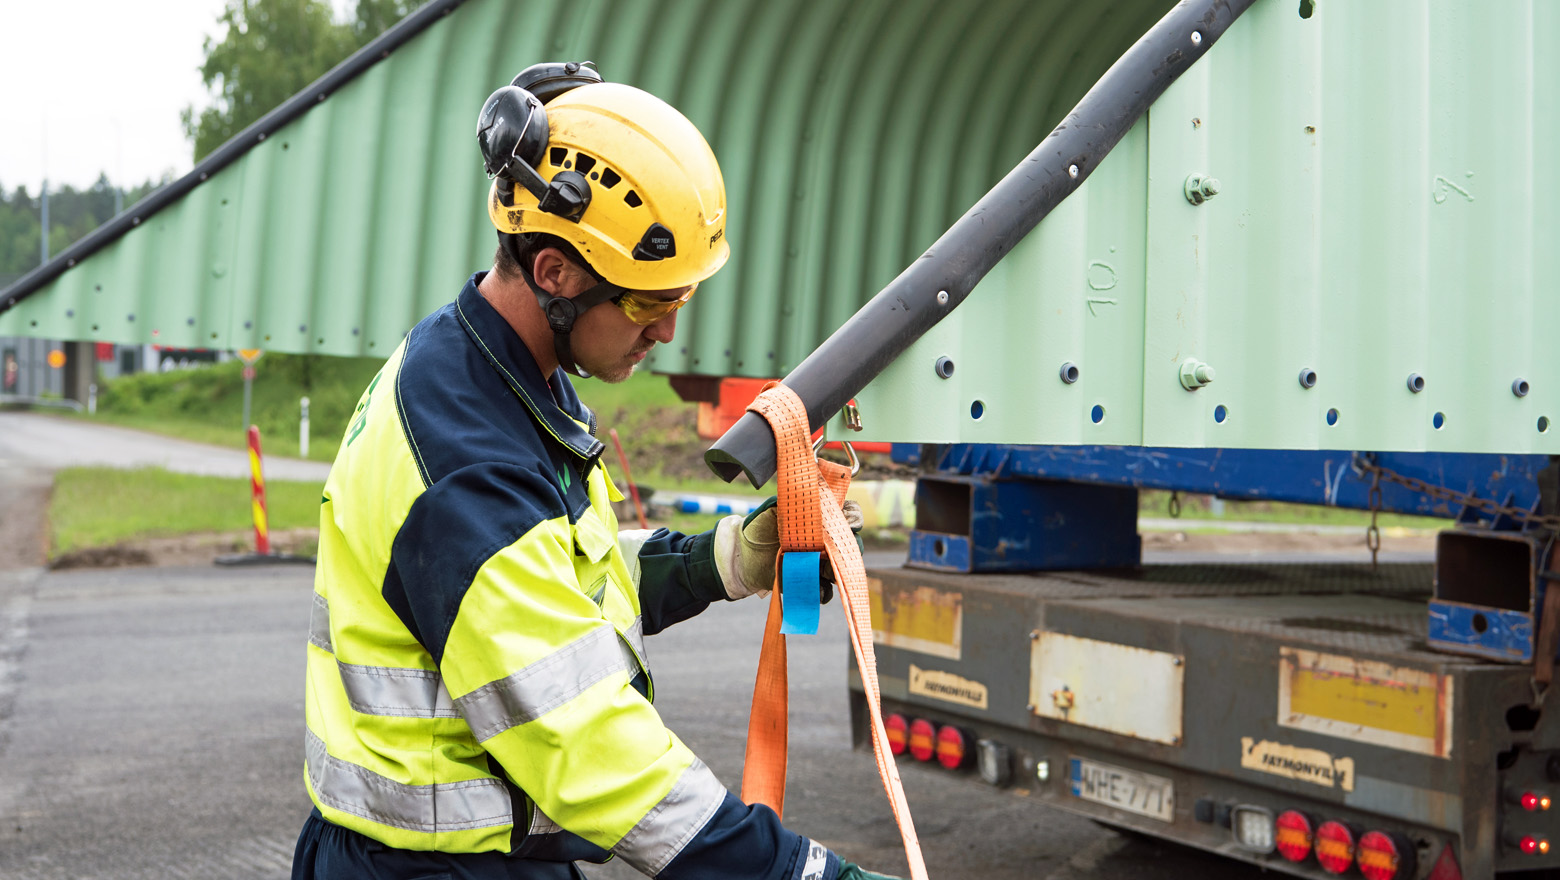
(1141, 793)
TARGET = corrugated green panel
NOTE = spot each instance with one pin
(1071, 292)
(1387, 207)
(861, 131)
(850, 133)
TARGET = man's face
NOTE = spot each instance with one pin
(609, 346)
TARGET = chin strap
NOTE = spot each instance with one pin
(562, 311)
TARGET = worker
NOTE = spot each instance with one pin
(478, 697)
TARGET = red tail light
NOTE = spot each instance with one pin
(922, 739)
(1335, 847)
(1294, 835)
(952, 748)
(1385, 856)
(898, 730)
(1533, 846)
(1533, 801)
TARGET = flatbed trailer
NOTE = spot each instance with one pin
(1179, 700)
(1315, 717)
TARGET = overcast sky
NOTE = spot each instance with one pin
(95, 86)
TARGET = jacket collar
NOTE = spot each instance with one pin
(557, 409)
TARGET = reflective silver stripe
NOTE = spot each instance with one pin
(636, 638)
(405, 693)
(431, 809)
(540, 824)
(383, 690)
(817, 861)
(546, 684)
(319, 623)
(630, 542)
(657, 838)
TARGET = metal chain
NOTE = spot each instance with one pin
(1485, 505)
(1373, 534)
(1175, 505)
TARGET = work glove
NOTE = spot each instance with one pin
(746, 551)
(852, 871)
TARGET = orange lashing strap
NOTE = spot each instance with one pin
(811, 492)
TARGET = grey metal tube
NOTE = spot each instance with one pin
(905, 309)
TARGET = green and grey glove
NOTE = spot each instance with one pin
(746, 549)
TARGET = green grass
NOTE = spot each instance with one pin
(1155, 503)
(657, 430)
(642, 390)
(659, 435)
(687, 523)
(101, 507)
(207, 404)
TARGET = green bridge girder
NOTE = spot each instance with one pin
(1385, 209)
(850, 135)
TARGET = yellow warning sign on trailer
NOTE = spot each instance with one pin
(1366, 701)
(920, 619)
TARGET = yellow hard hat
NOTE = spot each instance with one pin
(652, 214)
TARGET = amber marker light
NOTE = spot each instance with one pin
(952, 749)
(1334, 847)
(1294, 835)
(922, 739)
(898, 730)
(1380, 858)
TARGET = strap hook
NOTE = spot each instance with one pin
(850, 453)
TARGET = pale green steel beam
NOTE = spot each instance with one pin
(850, 133)
(1386, 209)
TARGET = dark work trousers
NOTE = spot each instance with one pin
(329, 852)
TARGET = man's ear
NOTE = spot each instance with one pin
(556, 275)
(548, 267)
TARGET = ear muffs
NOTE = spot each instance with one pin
(512, 132)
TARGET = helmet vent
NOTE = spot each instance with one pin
(583, 163)
(557, 155)
(633, 199)
(609, 178)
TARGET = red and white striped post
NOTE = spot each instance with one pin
(257, 494)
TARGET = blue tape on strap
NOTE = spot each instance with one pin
(799, 593)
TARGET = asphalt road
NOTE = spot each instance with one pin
(151, 725)
(50, 442)
(151, 720)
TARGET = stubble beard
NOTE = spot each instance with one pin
(618, 373)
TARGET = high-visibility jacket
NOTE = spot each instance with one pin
(477, 677)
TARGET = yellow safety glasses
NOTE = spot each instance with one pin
(644, 309)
